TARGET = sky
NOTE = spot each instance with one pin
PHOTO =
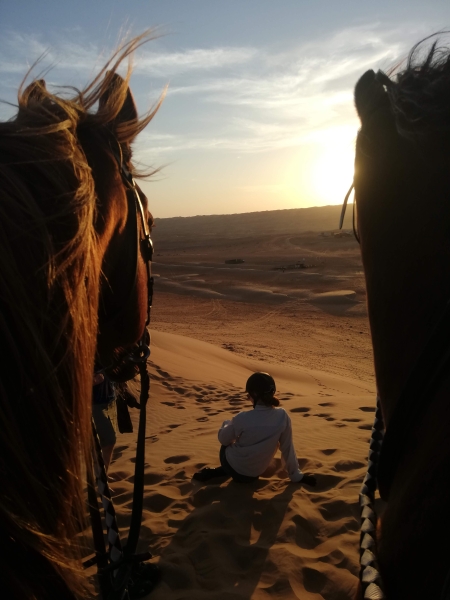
(259, 110)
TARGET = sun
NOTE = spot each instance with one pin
(332, 172)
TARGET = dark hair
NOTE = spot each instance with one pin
(261, 387)
(420, 94)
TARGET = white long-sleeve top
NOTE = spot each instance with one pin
(252, 437)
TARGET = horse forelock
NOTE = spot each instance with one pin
(49, 287)
(420, 97)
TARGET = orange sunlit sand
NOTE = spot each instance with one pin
(213, 324)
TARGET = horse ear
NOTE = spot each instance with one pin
(369, 93)
(128, 110)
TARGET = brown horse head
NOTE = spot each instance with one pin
(73, 283)
(402, 194)
(123, 308)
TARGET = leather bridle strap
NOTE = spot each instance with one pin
(417, 396)
(124, 561)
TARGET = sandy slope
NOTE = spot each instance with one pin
(270, 539)
(308, 327)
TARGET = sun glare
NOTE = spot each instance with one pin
(332, 172)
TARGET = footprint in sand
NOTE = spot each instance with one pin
(175, 405)
(120, 448)
(179, 390)
(287, 397)
(163, 373)
(152, 478)
(157, 502)
(313, 580)
(307, 534)
(176, 460)
(300, 409)
(325, 482)
(334, 510)
(348, 465)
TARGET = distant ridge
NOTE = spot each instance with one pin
(293, 220)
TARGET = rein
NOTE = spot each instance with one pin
(121, 572)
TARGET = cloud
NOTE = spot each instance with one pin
(279, 100)
(243, 99)
(168, 64)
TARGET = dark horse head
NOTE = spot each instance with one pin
(402, 194)
(73, 289)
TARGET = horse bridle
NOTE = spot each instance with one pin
(144, 245)
(121, 567)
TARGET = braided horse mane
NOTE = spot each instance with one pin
(56, 221)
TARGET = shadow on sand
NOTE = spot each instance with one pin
(205, 557)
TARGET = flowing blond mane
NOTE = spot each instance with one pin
(49, 290)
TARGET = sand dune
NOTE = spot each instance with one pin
(308, 327)
(270, 539)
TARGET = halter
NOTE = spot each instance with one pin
(122, 573)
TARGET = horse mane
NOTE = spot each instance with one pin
(49, 289)
(419, 96)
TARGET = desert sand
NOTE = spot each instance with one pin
(295, 308)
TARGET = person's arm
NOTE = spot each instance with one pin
(227, 433)
(288, 453)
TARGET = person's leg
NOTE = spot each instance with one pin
(207, 473)
(228, 469)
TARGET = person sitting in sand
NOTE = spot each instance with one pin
(251, 438)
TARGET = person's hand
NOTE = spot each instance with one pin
(309, 479)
